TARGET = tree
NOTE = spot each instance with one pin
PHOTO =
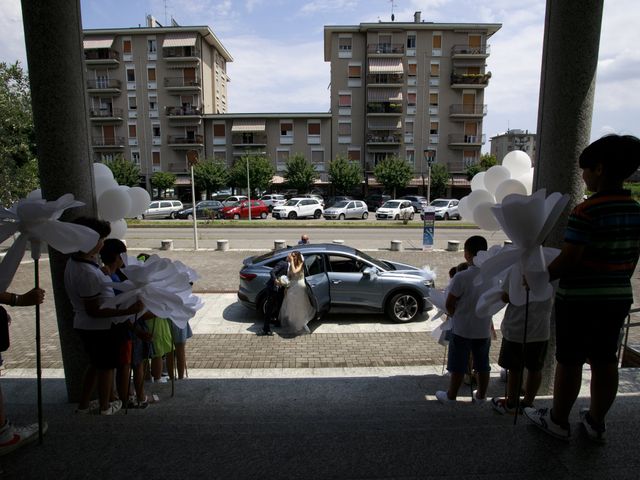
(393, 173)
(344, 174)
(18, 164)
(260, 172)
(486, 162)
(299, 173)
(162, 181)
(124, 171)
(210, 175)
(439, 180)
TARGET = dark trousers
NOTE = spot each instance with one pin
(272, 307)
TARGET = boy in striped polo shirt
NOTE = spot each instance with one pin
(598, 258)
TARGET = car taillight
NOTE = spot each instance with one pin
(247, 276)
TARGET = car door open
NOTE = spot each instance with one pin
(317, 282)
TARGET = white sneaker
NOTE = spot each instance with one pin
(12, 437)
(160, 380)
(478, 401)
(594, 432)
(114, 407)
(93, 406)
(443, 398)
(542, 419)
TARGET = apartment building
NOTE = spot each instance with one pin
(412, 89)
(148, 91)
(514, 139)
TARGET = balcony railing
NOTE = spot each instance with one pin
(394, 48)
(115, 142)
(393, 138)
(99, 54)
(183, 111)
(177, 167)
(462, 138)
(104, 84)
(468, 109)
(97, 113)
(182, 140)
(482, 50)
(177, 82)
(252, 139)
(385, 78)
(384, 108)
(481, 79)
(180, 52)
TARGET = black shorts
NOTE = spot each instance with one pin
(102, 346)
(511, 355)
(589, 331)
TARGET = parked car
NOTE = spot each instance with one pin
(417, 201)
(204, 210)
(313, 195)
(273, 200)
(333, 200)
(347, 209)
(298, 207)
(446, 208)
(375, 201)
(163, 209)
(343, 278)
(395, 210)
(234, 199)
(240, 210)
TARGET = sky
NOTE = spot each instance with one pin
(278, 52)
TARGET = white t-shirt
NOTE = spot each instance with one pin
(83, 280)
(465, 322)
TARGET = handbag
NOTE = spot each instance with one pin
(5, 320)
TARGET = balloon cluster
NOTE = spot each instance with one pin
(117, 202)
(489, 188)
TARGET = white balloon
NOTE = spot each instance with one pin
(102, 184)
(118, 229)
(101, 170)
(517, 162)
(477, 197)
(484, 218)
(37, 193)
(140, 200)
(113, 204)
(527, 180)
(477, 182)
(494, 177)
(464, 210)
(508, 187)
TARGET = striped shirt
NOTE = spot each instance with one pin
(608, 225)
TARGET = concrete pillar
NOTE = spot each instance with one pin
(223, 245)
(53, 37)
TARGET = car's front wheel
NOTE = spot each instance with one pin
(411, 216)
(292, 215)
(236, 216)
(263, 215)
(397, 217)
(446, 216)
(173, 215)
(317, 214)
(365, 215)
(403, 307)
(341, 216)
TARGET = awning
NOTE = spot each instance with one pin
(385, 65)
(97, 42)
(384, 123)
(248, 126)
(179, 40)
(384, 95)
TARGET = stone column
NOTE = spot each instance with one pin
(567, 86)
(53, 37)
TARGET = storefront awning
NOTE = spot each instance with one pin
(385, 65)
(97, 42)
(384, 95)
(248, 126)
(179, 40)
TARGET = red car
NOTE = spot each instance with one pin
(238, 210)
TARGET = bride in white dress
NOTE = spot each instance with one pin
(296, 310)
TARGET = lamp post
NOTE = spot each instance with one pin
(429, 157)
(192, 158)
(248, 188)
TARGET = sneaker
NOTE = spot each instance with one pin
(443, 398)
(477, 401)
(114, 407)
(160, 380)
(594, 432)
(500, 405)
(12, 437)
(93, 406)
(542, 419)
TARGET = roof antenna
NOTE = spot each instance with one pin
(166, 21)
(393, 17)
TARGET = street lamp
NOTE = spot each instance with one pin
(192, 158)
(248, 188)
(429, 157)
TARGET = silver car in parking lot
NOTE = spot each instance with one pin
(344, 279)
(345, 209)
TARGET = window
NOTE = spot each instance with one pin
(411, 98)
(135, 157)
(433, 128)
(219, 130)
(410, 156)
(282, 156)
(408, 127)
(151, 45)
(317, 159)
(313, 132)
(436, 41)
(434, 69)
(344, 128)
(155, 130)
(344, 99)
(355, 71)
(153, 102)
(126, 47)
(344, 46)
(220, 155)
(413, 68)
(151, 74)
(411, 40)
(433, 103)
(133, 131)
(131, 75)
(286, 132)
(133, 104)
(155, 156)
(353, 154)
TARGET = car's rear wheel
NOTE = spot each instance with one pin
(403, 307)
(341, 216)
(411, 216)
(173, 215)
(292, 215)
(446, 216)
(317, 214)
(236, 216)
(263, 215)
(365, 215)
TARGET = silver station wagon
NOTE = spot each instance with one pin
(343, 279)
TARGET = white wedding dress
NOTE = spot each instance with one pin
(296, 310)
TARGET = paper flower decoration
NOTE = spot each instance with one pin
(527, 221)
(37, 221)
(162, 285)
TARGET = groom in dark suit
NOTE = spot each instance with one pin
(275, 294)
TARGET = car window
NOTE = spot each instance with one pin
(291, 203)
(176, 204)
(439, 203)
(165, 204)
(351, 205)
(339, 263)
(391, 204)
(154, 205)
(308, 202)
(340, 204)
(313, 264)
(255, 204)
(454, 203)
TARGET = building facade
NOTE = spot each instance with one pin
(148, 91)
(412, 90)
(515, 139)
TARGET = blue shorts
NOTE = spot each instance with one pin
(459, 350)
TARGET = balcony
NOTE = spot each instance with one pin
(180, 167)
(465, 111)
(181, 54)
(470, 80)
(101, 56)
(380, 139)
(249, 139)
(182, 84)
(106, 115)
(186, 115)
(185, 142)
(461, 140)
(104, 85)
(385, 49)
(468, 51)
(384, 108)
(385, 79)
(107, 143)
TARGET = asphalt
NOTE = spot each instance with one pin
(352, 400)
